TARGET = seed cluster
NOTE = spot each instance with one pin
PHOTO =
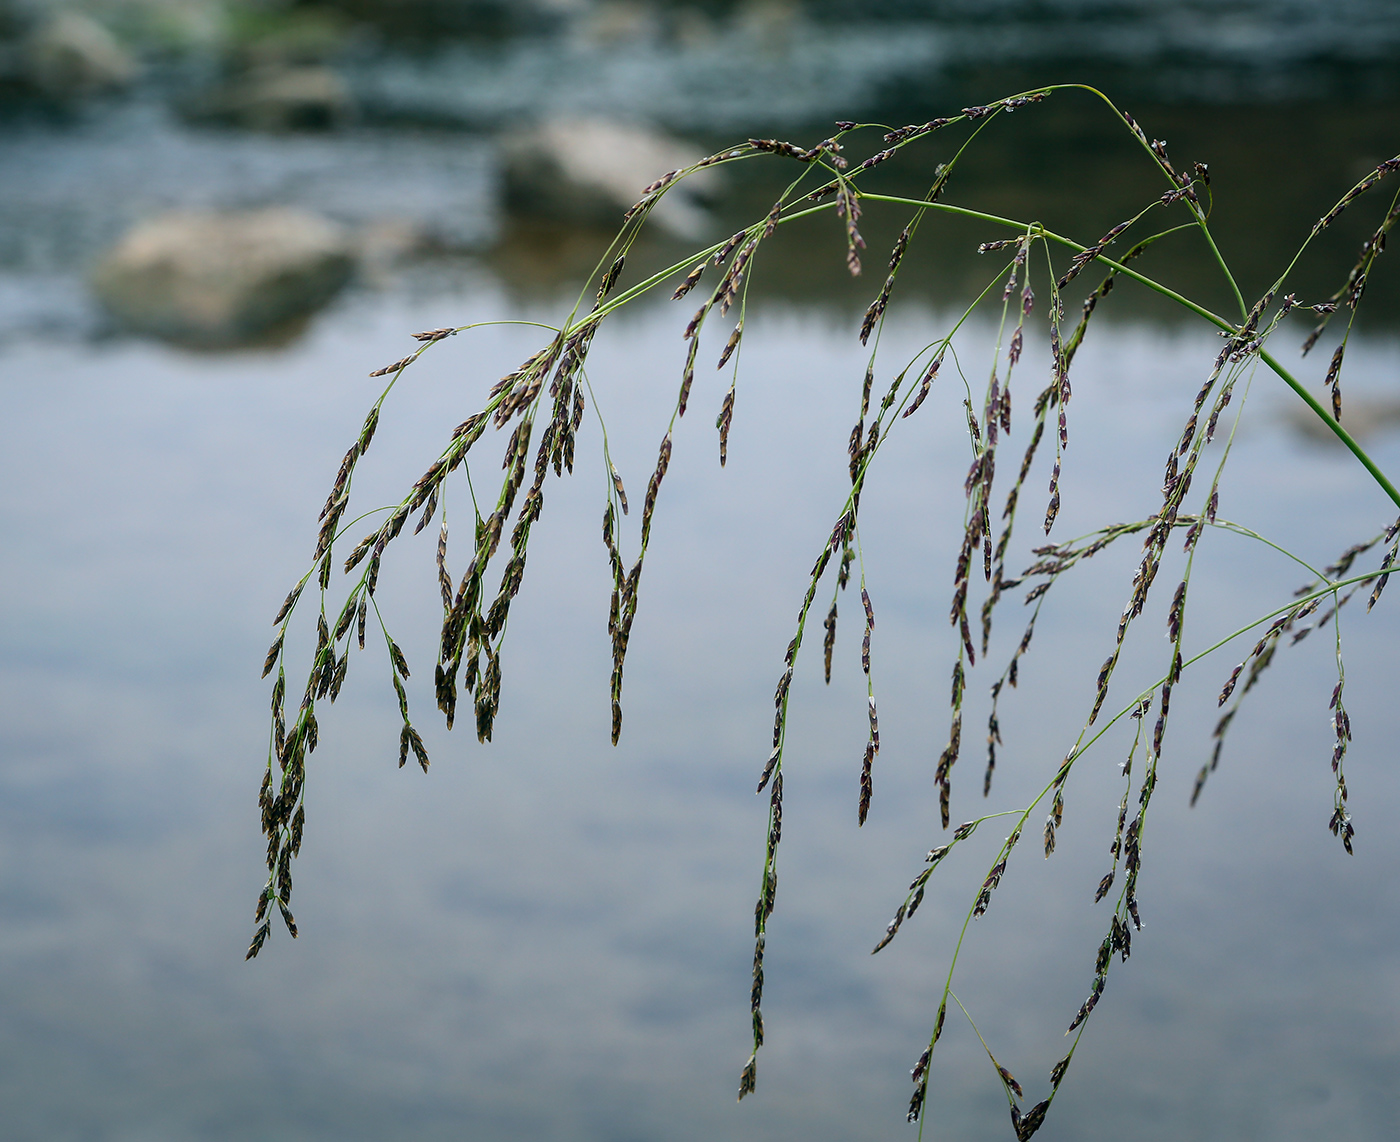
(1243, 347)
(538, 410)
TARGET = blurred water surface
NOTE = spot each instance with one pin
(549, 938)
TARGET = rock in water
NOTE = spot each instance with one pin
(275, 98)
(70, 56)
(590, 171)
(221, 279)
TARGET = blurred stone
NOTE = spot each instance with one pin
(220, 279)
(385, 244)
(614, 22)
(277, 98)
(170, 26)
(70, 56)
(769, 24)
(536, 256)
(692, 29)
(589, 171)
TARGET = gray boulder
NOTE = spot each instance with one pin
(222, 279)
(589, 171)
(71, 56)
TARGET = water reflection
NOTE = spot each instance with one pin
(435, 197)
(548, 938)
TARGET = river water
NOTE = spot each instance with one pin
(547, 937)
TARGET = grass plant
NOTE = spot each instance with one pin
(539, 408)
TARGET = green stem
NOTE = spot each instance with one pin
(1214, 318)
(1341, 433)
(1196, 212)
